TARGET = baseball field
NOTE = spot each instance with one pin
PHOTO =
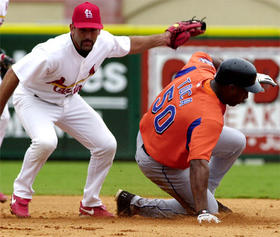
(252, 192)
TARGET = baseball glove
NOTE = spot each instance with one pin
(183, 30)
(5, 63)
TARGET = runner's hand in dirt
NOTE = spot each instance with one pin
(206, 216)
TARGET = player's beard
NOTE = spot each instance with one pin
(86, 45)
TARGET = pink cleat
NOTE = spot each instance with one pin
(3, 198)
(19, 206)
(99, 211)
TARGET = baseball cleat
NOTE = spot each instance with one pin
(99, 211)
(223, 208)
(19, 206)
(3, 198)
(123, 199)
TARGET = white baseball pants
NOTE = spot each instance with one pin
(177, 182)
(4, 120)
(80, 121)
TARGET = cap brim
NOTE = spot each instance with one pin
(88, 25)
(256, 88)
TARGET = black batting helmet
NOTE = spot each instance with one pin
(239, 72)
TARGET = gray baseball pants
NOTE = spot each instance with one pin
(176, 182)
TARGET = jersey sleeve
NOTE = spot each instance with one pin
(31, 66)
(121, 46)
(202, 61)
(204, 138)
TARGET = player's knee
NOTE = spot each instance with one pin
(44, 145)
(111, 147)
(106, 150)
(4, 123)
(239, 142)
(4, 119)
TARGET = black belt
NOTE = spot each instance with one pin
(144, 149)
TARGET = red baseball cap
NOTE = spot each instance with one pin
(86, 15)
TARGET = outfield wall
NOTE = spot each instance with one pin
(122, 89)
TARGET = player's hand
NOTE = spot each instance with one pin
(265, 79)
(205, 216)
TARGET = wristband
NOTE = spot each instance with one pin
(203, 211)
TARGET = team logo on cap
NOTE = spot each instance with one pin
(88, 13)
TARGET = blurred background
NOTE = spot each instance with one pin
(218, 12)
(122, 89)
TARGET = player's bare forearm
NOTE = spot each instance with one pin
(140, 44)
(199, 173)
(7, 87)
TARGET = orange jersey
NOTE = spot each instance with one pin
(186, 119)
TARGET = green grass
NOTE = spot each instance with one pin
(68, 178)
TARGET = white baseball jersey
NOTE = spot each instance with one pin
(53, 70)
(3, 10)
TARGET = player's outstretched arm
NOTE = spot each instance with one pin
(139, 44)
(199, 174)
(7, 87)
(174, 36)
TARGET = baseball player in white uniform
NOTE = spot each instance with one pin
(46, 83)
(3, 10)
(4, 118)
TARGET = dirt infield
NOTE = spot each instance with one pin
(58, 216)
